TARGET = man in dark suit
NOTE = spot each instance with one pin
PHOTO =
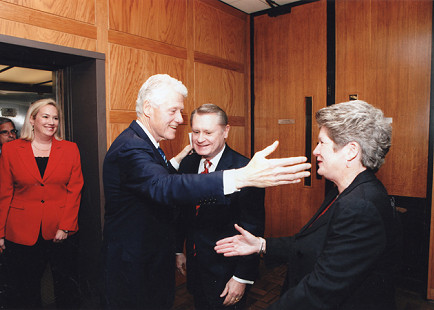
(217, 282)
(140, 192)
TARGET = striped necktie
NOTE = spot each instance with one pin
(162, 154)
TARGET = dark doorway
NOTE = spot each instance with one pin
(82, 92)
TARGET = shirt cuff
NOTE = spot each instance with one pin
(229, 182)
(174, 163)
(242, 280)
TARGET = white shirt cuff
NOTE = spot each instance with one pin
(242, 280)
(174, 163)
(229, 182)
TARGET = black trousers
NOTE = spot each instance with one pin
(202, 301)
(25, 268)
(147, 283)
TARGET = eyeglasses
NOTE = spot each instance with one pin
(7, 132)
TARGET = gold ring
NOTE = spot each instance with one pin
(237, 299)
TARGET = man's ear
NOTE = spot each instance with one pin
(147, 109)
(226, 131)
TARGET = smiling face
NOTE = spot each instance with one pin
(331, 162)
(164, 119)
(208, 134)
(45, 122)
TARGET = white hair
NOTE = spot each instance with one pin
(155, 89)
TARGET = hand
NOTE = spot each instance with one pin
(239, 245)
(181, 263)
(233, 291)
(262, 172)
(187, 149)
(2, 245)
(60, 236)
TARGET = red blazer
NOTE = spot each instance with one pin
(28, 202)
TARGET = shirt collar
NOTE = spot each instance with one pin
(154, 142)
(215, 161)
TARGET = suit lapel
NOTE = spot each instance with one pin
(54, 159)
(25, 153)
(225, 161)
(142, 134)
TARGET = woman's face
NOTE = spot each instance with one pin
(46, 121)
(331, 163)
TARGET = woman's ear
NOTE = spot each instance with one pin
(353, 150)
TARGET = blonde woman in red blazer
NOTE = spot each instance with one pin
(40, 191)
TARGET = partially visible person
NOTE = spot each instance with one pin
(40, 190)
(346, 256)
(217, 282)
(8, 131)
(141, 190)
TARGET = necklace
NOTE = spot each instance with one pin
(34, 145)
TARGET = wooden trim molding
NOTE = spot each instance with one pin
(218, 62)
(142, 43)
(28, 16)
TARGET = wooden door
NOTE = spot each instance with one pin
(290, 53)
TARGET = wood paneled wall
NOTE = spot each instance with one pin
(383, 54)
(290, 62)
(203, 43)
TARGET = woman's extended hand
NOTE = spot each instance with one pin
(239, 245)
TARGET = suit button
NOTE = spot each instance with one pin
(42, 184)
(42, 201)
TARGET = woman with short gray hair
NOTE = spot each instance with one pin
(346, 255)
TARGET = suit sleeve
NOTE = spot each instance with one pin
(355, 240)
(73, 198)
(6, 188)
(252, 218)
(143, 174)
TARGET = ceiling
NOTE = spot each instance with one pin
(252, 6)
(14, 79)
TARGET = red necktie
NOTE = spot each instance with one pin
(206, 165)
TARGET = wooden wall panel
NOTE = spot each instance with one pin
(223, 88)
(82, 10)
(383, 54)
(45, 20)
(218, 33)
(131, 67)
(162, 20)
(31, 32)
(290, 64)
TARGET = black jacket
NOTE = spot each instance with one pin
(347, 257)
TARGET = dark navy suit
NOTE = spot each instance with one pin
(138, 246)
(207, 271)
(347, 257)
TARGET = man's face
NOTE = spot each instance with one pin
(7, 133)
(208, 136)
(164, 119)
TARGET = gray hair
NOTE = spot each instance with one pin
(358, 121)
(4, 120)
(209, 108)
(27, 132)
(155, 88)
